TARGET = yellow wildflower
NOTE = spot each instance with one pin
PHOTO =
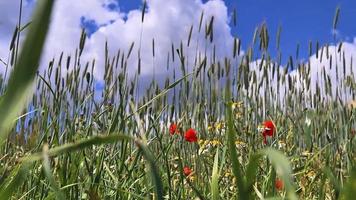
(215, 143)
(238, 104)
(311, 174)
(306, 153)
(210, 127)
(201, 142)
(281, 144)
(238, 115)
(219, 126)
(240, 144)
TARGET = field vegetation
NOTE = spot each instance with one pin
(240, 127)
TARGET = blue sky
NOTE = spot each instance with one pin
(302, 21)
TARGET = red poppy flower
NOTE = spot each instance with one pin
(173, 128)
(187, 171)
(268, 130)
(191, 135)
(279, 184)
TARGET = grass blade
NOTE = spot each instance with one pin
(82, 144)
(20, 81)
(214, 185)
(236, 166)
(153, 170)
(283, 168)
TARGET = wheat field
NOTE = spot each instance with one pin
(242, 127)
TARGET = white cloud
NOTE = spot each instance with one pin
(166, 22)
(65, 27)
(337, 64)
(333, 65)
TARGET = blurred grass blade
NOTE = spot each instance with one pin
(82, 144)
(236, 166)
(214, 185)
(251, 171)
(333, 180)
(153, 170)
(12, 183)
(47, 171)
(283, 169)
(350, 187)
(20, 82)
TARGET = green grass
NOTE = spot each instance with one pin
(59, 142)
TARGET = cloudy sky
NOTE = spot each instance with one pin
(169, 21)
